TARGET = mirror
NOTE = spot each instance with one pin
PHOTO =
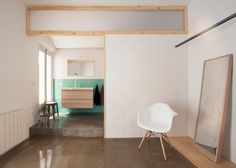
(213, 106)
(80, 68)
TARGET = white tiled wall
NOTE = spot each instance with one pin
(142, 70)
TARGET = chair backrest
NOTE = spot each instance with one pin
(158, 113)
(163, 110)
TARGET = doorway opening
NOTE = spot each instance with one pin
(73, 77)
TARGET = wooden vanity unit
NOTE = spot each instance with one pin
(77, 97)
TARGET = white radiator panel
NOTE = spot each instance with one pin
(13, 129)
(7, 130)
(2, 134)
(12, 143)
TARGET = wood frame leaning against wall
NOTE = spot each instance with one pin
(104, 8)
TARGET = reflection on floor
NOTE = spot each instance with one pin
(84, 125)
(51, 152)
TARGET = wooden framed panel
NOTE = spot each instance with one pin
(135, 20)
(213, 106)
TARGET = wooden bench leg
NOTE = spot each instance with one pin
(57, 111)
(53, 111)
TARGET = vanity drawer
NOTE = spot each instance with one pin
(77, 94)
(67, 103)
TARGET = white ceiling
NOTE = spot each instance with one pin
(106, 2)
(78, 41)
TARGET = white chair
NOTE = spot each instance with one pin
(157, 119)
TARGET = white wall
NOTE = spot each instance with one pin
(18, 64)
(219, 42)
(142, 70)
(62, 55)
(78, 41)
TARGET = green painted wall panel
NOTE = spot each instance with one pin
(69, 83)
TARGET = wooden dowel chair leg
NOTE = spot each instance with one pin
(163, 148)
(149, 134)
(143, 139)
(167, 139)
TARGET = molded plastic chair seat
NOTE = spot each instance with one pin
(154, 127)
(156, 119)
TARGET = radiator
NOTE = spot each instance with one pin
(12, 129)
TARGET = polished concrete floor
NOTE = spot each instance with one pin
(83, 125)
(49, 152)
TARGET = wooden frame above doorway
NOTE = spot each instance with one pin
(31, 32)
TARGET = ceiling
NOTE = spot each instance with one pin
(106, 2)
(78, 41)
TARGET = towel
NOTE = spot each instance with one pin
(102, 95)
(97, 100)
